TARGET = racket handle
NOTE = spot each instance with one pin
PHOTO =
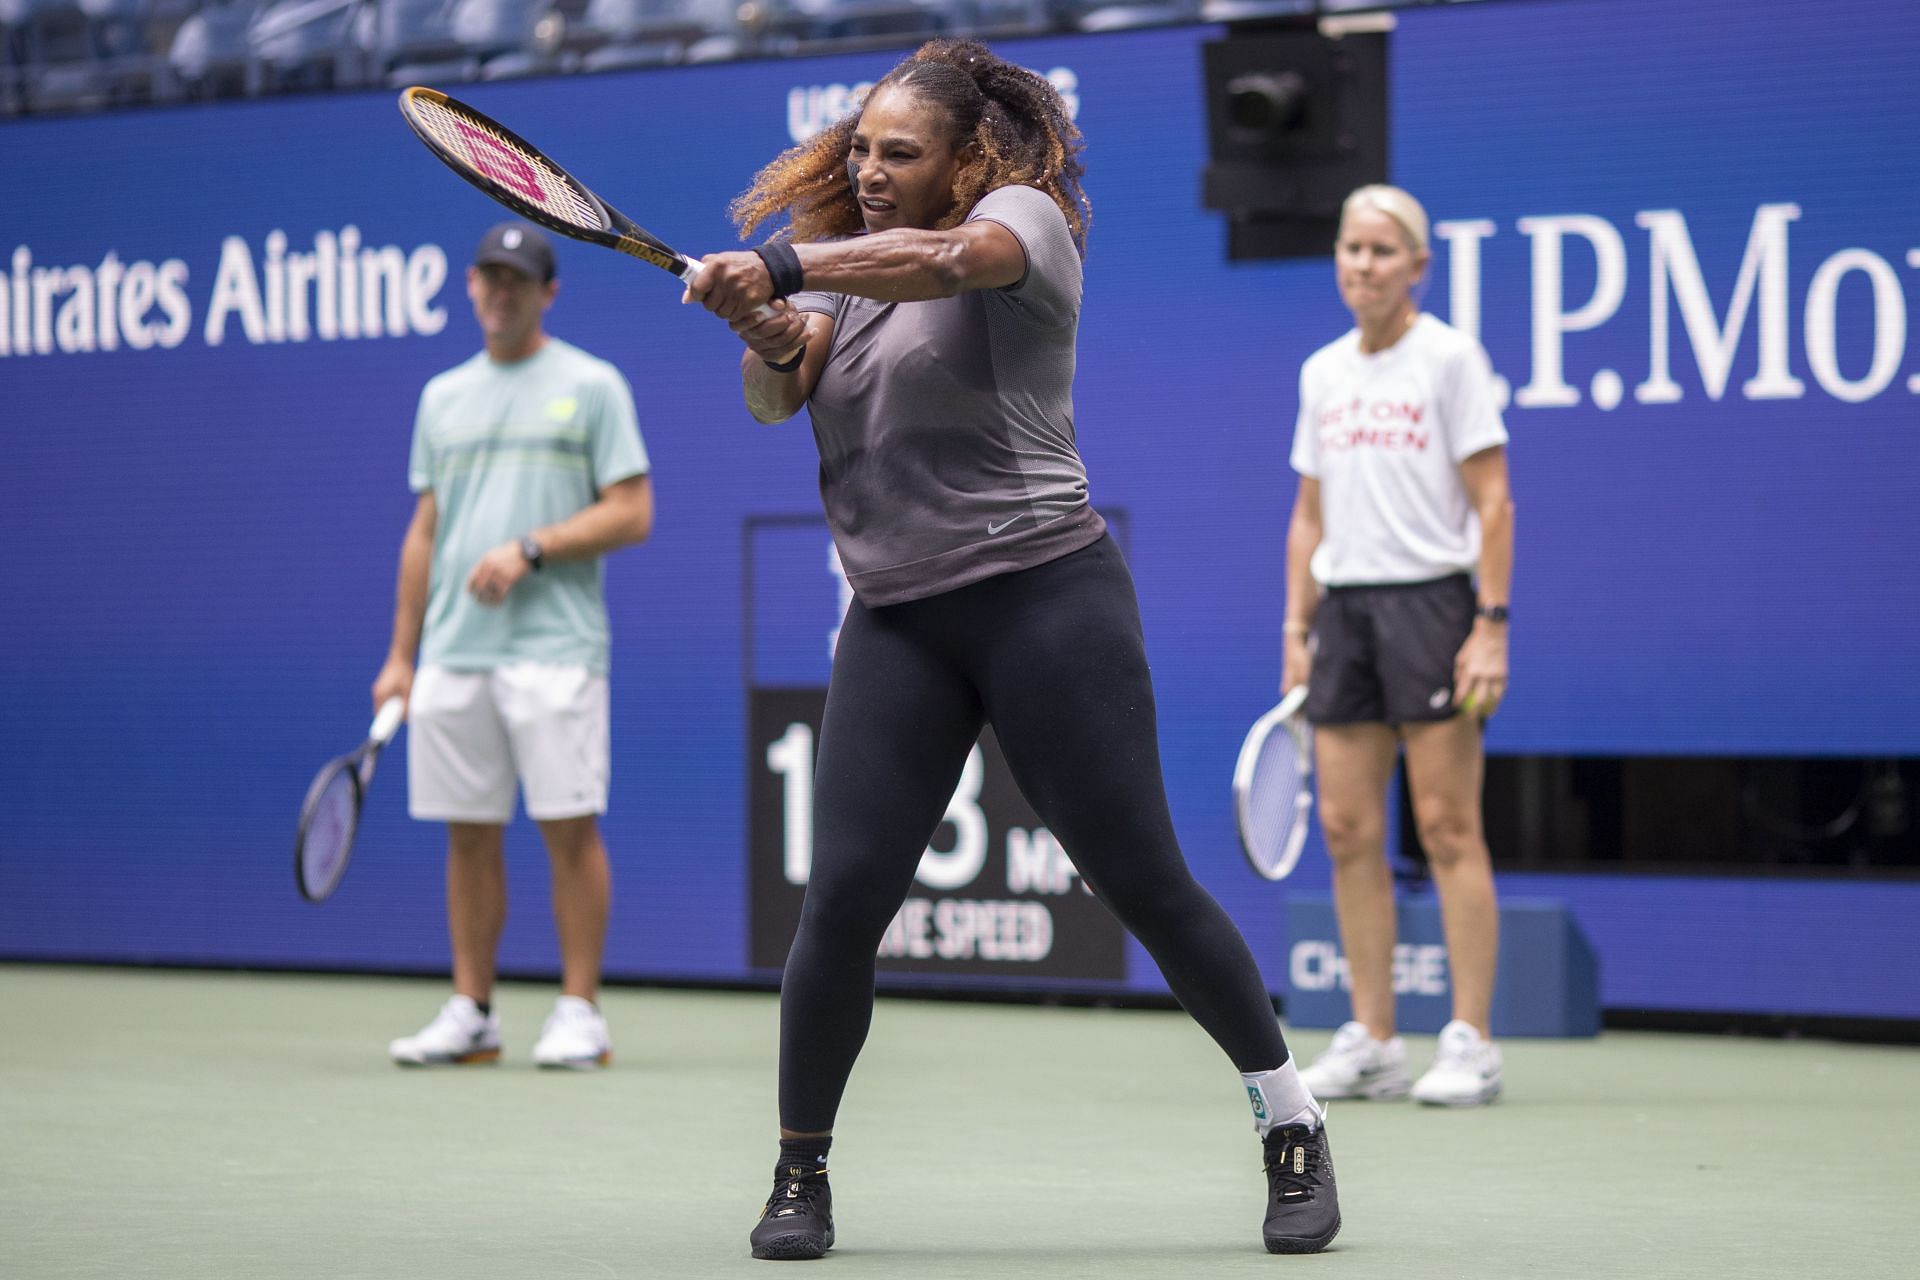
(387, 723)
(689, 269)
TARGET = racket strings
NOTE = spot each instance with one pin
(1276, 800)
(482, 147)
(328, 833)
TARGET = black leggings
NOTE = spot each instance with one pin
(1053, 658)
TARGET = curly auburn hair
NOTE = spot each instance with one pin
(1016, 120)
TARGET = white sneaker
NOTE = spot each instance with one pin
(1356, 1065)
(575, 1036)
(459, 1033)
(1465, 1070)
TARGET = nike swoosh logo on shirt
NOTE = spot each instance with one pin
(993, 528)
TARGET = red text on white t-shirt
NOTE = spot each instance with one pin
(1374, 424)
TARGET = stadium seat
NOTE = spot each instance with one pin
(488, 28)
(639, 33)
(1123, 17)
(716, 48)
(310, 44)
(211, 56)
(412, 42)
(11, 101)
(132, 38)
(989, 19)
(59, 67)
(118, 25)
(869, 22)
(1254, 10)
(485, 24)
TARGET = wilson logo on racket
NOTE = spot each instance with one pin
(500, 164)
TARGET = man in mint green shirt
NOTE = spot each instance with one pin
(528, 466)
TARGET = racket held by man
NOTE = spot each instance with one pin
(330, 815)
(519, 175)
(1273, 787)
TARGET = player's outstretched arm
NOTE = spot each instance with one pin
(907, 265)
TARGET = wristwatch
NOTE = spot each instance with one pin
(1491, 612)
(530, 548)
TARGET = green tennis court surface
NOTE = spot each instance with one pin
(209, 1125)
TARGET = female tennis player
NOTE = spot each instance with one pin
(1402, 500)
(931, 292)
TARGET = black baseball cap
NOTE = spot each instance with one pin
(519, 245)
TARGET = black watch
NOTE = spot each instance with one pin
(530, 548)
(1491, 612)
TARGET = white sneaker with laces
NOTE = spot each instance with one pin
(458, 1034)
(1356, 1065)
(1465, 1070)
(575, 1036)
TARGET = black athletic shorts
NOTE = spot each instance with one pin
(1384, 654)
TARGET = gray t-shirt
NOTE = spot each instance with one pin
(945, 427)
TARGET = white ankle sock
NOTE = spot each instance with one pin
(1280, 1097)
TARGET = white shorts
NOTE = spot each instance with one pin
(471, 735)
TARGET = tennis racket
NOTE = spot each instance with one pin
(331, 812)
(517, 174)
(1273, 787)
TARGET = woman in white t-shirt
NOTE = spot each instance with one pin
(1399, 557)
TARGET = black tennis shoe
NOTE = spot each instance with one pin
(1303, 1207)
(797, 1222)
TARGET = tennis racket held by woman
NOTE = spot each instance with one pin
(1273, 787)
(517, 174)
(330, 815)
